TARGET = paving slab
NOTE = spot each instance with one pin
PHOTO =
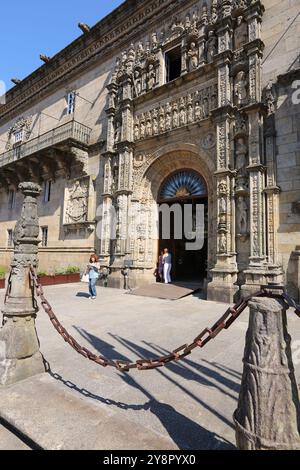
(9, 441)
(190, 402)
(56, 419)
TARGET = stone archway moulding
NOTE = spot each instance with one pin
(161, 163)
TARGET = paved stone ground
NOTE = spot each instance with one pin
(8, 441)
(192, 401)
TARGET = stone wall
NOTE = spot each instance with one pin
(212, 118)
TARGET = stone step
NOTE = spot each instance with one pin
(54, 418)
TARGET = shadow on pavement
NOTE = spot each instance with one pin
(166, 413)
(184, 432)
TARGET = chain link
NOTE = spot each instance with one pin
(178, 354)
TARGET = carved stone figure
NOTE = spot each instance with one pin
(118, 131)
(205, 107)
(214, 98)
(214, 12)
(198, 111)
(155, 124)
(136, 131)
(137, 82)
(241, 89)
(222, 205)
(168, 121)
(212, 46)
(241, 152)
(193, 57)
(182, 113)
(162, 123)
(154, 41)
(151, 77)
(175, 121)
(190, 113)
(242, 211)
(148, 128)
(222, 243)
(142, 130)
(270, 98)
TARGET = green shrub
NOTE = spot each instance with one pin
(60, 271)
(3, 272)
(42, 273)
(72, 270)
(68, 270)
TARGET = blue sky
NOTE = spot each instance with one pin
(30, 28)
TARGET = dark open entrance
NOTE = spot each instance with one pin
(184, 192)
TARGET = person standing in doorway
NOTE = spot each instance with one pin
(167, 262)
(93, 269)
(161, 267)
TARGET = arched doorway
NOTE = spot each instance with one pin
(184, 192)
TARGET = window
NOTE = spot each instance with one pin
(18, 137)
(11, 198)
(71, 102)
(44, 236)
(10, 238)
(173, 64)
(47, 191)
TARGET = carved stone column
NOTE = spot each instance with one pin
(105, 228)
(257, 272)
(224, 273)
(272, 203)
(111, 112)
(268, 414)
(184, 56)
(20, 356)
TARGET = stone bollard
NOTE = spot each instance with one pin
(268, 414)
(20, 355)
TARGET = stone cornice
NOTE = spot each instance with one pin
(289, 77)
(103, 38)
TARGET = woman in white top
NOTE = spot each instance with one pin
(167, 261)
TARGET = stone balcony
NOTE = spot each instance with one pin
(46, 155)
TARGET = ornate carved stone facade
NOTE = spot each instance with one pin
(167, 92)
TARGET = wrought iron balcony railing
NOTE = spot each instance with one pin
(72, 130)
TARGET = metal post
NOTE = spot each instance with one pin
(268, 414)
(20, 355)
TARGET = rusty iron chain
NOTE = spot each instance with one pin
(226, 320)
(7, 287)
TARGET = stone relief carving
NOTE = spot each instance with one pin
(77, 201)
(182, 111)
(193, 55)
(241, 89)
(208, 142)
(212, 46)
(270, 98)
(22, 125)
(242, 216)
